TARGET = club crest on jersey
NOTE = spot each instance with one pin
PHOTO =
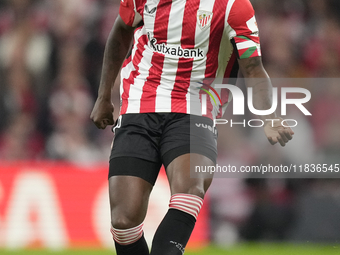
(204, 19)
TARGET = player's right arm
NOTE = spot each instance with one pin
(117, 47)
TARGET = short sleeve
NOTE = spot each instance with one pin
(243, 31)
(128, 13)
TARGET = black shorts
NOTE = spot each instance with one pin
(145, 141)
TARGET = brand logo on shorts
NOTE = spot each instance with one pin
(206, 126)
(204, 19)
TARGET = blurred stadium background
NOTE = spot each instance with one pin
(53, 193)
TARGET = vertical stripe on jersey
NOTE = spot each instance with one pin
(148, 100)
(136, 58)
(183, 75)
(230, 31)
(228, 66)
(226, 48)
(227, 60)
(231, 70)
(125, 85)
(217, 7)
(163, 98)
(199, 65)
(215, 37)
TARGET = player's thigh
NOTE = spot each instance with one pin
(129, 197)
(180, 179)
(188, 141)
(188, 134)
(134, 167)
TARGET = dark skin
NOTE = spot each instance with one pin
(129, 196)
(257, 78)
(129, 210)
(117, 47)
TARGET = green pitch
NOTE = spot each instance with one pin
(245, 249)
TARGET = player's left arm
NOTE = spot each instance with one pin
(244, 35)
(257, 78)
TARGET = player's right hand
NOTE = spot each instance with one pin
(102, 113)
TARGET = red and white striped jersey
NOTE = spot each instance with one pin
(182, 46)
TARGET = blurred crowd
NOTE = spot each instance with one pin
(50, 64)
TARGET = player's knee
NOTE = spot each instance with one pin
(197, 187)
(123, 222)
(196, 190)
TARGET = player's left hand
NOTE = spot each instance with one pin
(277, 133)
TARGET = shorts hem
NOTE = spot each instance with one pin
(133, 155)
(137, 167)
(170, 155)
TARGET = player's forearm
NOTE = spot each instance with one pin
(116, 49)
(262, 95)
(257, 78)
